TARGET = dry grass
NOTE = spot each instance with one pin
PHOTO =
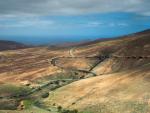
(130, 86)
(123, 85)
(27, 64)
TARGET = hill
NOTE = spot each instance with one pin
(122, 84)
(102, 76)
(10, 45)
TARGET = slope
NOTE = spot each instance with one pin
(124, 82)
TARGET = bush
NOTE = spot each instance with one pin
(59, 108)
(74, 111)
(27, 103)
(45, 95)
(68, 111)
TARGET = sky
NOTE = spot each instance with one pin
(57, 21)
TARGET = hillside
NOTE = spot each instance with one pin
(123, 84)
(102, 76)
(10, 45)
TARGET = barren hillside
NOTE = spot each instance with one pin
(110, 76)
(123, 81)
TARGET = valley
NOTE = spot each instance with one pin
(111, 76)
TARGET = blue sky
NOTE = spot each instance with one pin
(55, 21)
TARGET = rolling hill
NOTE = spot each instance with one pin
(123, 82)
(102, 76)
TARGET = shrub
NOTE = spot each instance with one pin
(59, 108)
(68, 111)
(45, 95)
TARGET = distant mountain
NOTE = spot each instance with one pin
(11, 45)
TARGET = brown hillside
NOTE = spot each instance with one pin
(123, 82)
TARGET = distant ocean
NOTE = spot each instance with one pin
(48, 40)
(51, 40)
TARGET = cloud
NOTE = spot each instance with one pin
(13, 22)
(119, 24)
(69, 7)
(93, 24)
(123, 24)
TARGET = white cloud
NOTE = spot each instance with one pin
(94, 24)
(69, 7)
(24, 22)
(114, 24)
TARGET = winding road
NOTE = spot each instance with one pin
(54, 63)
(71, 53)
(101, 59)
